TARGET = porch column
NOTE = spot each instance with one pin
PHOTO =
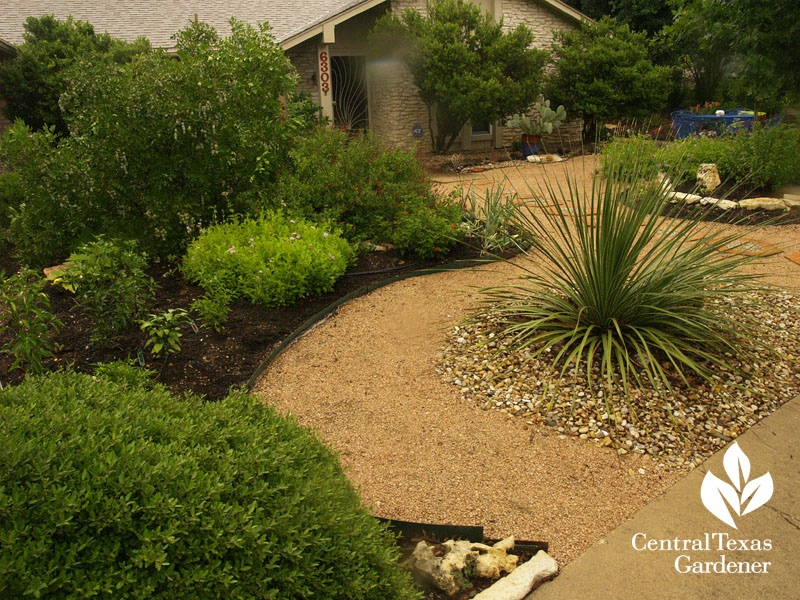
(325, 81)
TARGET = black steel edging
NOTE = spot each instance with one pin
(313, 320)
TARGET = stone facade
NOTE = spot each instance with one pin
(394, 104)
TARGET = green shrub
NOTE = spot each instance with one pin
(158, 145)
(117, 492)
(12, 194)
(25, 313)
(352, 182)
(213, 307)
(110, 285)
(126, 373)
(768, 157)
(428, 231)
(271, 260)
(623, 289)
(163, 330)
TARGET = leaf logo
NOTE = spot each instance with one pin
(743, 496)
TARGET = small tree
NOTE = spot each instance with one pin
(602, 72)
(32, 83)
(464, 65)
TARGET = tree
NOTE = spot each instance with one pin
(33, 81)
(602, 72)
(758, 40)
(464, 65)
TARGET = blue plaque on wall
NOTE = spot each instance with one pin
(416, 130)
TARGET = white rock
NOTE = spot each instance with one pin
(721, 204)
(708, 177)
(544, 158)
(506, 545)
(688, 198)
(517, 585)
(791, 201)
(763, 203)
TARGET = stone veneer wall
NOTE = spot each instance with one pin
(304, 58)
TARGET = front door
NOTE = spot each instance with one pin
(349, 81)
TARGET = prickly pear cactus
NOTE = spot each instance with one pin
(544, 120)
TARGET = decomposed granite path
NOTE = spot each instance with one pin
(365, 380)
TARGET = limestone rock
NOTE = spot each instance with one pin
(516, 585)
(544, 158)
(763, 203)
(688, 198)
(717, 203)
(52, 273)
(457, 560)
(708, 177)
(791, 201)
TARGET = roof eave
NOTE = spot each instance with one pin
(7, 48)
(566, 10)
(306, 34)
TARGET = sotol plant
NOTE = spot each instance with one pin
(612, 285)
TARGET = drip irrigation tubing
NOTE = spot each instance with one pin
(313, 320)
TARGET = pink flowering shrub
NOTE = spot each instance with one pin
(271, 260)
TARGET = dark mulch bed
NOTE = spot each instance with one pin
(209, 363)
(734, 192)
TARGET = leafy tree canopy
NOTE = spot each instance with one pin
(602, 72)
(465, 66)
(33, 82)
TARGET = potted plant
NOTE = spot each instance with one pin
(542, 121)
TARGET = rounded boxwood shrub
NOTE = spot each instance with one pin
(272, 260)
(114, 491)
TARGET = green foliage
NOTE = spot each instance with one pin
(213, 307)
(624, 290)
(108, 490)
(33, 81)
(25, 314)
(110, 285)
(271, 260)
(353, 182)
(465, 66)
(52, 178)
(12, 194)
(160, 146)
(764, 158)
(429, 231)
(542, 119)
(602, 72)
(126, 373)
(493, 217)
(163, 330)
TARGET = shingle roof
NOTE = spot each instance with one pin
(157, 20)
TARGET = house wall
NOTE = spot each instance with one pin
(403, 107)
(395, 105)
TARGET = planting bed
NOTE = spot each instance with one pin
(209, 362)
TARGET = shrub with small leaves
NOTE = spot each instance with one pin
(25, 313)
(429, 231)
(125, 372)
(113, 491)
(110, 285)
(213, 308)
(272, 260)
(163, 330)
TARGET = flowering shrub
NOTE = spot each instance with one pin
(353, 182)
(272, 260)
(429, 231)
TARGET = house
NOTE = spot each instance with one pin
(326, 42)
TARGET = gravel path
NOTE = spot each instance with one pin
(366, 381)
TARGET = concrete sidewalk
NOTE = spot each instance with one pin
(614, 569)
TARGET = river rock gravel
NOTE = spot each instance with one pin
(681, 428)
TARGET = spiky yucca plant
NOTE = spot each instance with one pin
(613, 284)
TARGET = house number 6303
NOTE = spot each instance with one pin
(324, 73)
